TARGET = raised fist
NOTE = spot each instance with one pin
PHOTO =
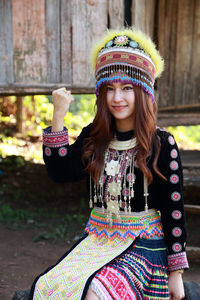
(62, 100)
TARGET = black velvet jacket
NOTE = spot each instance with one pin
(64, 164)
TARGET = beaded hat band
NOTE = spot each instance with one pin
(127, 56)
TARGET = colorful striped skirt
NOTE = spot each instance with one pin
(127, 260)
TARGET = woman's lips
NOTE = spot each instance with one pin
(120, 107)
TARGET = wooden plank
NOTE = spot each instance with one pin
(178, 119)
(89, 19)
(143, 12)
(178, 28)
(166, 25)
(195, 55)
(192, 209)
(180, 107)
(96, 27)
(171, 40)
(6, 61)
(193, 254)
(29, 40)
(161, 92)
(116, 13)
(79, 42)
(66, 41)
(53, 40)
(182, 73)
(41, 89)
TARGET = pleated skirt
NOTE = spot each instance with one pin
(140, 273)
(127, 260)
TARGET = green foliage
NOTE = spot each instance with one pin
(7, 213)
(81, 113)
(52, 224)
(38, 112)
(188, 137)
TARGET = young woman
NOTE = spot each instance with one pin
(134, 242)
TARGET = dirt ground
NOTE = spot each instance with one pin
(21, 260)
(39, 221)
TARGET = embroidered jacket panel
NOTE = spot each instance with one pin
(64, 164)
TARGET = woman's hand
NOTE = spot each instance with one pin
(62, 100)
(176, 288)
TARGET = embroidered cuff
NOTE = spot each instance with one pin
(177, 261)
(55, 139)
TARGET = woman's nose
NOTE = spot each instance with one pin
(118, 95)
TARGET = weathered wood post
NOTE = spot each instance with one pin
(33, 104)
(19, 115)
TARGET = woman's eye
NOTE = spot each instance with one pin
(128, 87)
(109, 88)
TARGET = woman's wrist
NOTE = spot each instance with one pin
(181, 271)
(57, 122)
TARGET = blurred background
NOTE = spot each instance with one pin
(46, 45)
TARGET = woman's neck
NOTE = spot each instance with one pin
(122, 126)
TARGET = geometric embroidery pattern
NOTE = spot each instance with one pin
(55, 139)
(67, 279)
(146, 226)
(177, 261)
(117, 285)
(134, 275)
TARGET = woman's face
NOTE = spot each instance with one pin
(120, 99)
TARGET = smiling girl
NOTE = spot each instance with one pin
(134, 243)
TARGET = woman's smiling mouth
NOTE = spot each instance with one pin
(119, 107)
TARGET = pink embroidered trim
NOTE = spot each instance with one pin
(177, 261)
(55, 139)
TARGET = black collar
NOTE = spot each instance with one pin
(124, 136)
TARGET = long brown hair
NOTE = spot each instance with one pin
(103, 130)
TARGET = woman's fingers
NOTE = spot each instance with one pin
(62, 100)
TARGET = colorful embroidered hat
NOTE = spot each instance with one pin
(127, 56)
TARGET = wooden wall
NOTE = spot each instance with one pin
(46, 44)
(178, 33)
